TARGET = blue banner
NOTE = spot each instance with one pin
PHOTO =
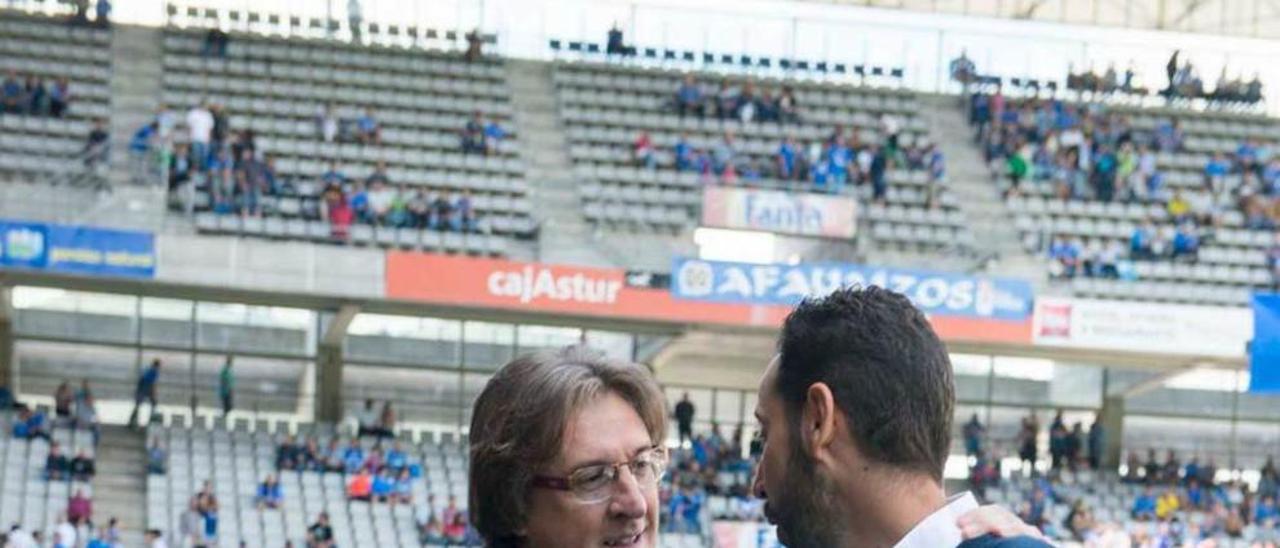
(934, 292)
(1264, 350)
(77, 249)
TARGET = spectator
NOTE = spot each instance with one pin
(456, 529)
(221, 126)
(102, 19)
(379, 201)
(31, 425)
(353, 457)
(269, 494)
(688, 97)
(37, 96)
(1178, 207)
(494, 134)
(614, 44)
(180, 166)
(788, 108)
(140, 147)
(368, 131)
(327, 124)
(464, 213)
(82, 467)
(191, 525)
(403, 487)
(441, 212)
(788, 159)
(1097, 443)
(333, 458)
(642, 152)
(474, 44)
(338, 211)
(473, 139)
(333, 175)
(64, 533)
(360, 487)
(56, 465)
(85, 412)
(155, 539)
(879, 166)
(726, 101)
(973, 433)
(354, 20)
(226, 386)
(386, 421)
(684, 154)
(157, 457)
(1186, 241)
(1215, 174)
(288, 454)
(97, 146)
(80, 509)
(207, 503)
(59, 97)
(320, 534)
(383, 487)
(311, 457)
(1266, 513)
(684, 413)
(215, 43)
(725, 153)
(450, 512)
(11, 93)
(200, 128)
(396, 460)
(1167, 504)
(62, 400)
(222, 183)
(431, 533)
(1028, 438)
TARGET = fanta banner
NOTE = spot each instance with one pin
(77, 249)
(804, 214)
(935, 293)
(557, 289)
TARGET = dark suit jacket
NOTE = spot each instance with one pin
(989, 541)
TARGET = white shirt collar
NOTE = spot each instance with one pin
(939, 530)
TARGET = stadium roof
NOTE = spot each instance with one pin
(1241, 18)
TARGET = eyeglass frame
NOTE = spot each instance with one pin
(563, 483)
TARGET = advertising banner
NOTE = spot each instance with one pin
(936, 293)
(496, 283)
(1264, 351)
(77, 249)
(744, 534)
(1210, 331)
(803, 214)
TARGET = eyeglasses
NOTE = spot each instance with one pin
(592, 484)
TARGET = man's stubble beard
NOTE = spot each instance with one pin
(805, 509)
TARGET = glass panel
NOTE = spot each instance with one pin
(472, 385)
(533, 338)
(420, 341)
(75, 315)
(489, 345)
(166, 322)
(728, 410)
(261, 385)
(226, 327)
(618, 346)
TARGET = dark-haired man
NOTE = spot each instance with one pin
(856, 413)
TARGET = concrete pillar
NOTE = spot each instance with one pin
(329, 365)
(8, 364)
(1112, 417)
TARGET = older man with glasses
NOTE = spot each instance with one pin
(567, 450)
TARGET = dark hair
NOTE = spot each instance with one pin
(518, 423)
(887, 370)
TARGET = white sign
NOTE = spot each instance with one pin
(1210, 331)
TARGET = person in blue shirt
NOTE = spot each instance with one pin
(787, 153)
(1186, 241)
(493, 136)
(396, 459)
(879, 165)
(683, 153)
(838, 158)
(368, 131)
(11, 94)
(103, 13)
(353, 457)
(384, 486)
(1066, 254)
(146, 391)
(689, 97)
(1144, 507)
(403, 487)
(1266, 512)
(270, 494)
(360, 203)
(1215, 172)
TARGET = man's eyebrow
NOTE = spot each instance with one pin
(599, 462)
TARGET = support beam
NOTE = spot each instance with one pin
(8, 366)
(1155, 381)
(328, 369)
(1112, 418)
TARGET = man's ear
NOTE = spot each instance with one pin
(818, 422)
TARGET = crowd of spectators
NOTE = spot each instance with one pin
(33, 95)
(1185, 82)
(481, 137)
(828, 165)
(377, 201)
(198, 525)
(1085, 152)
(1178, 503)
(744, 103)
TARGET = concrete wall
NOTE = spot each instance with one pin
(270, 265)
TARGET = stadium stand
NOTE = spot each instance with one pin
(27, 498)
(38, 136)
(1164, 162)
(605, 107)
(279, 88)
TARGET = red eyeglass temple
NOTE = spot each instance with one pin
(559, 484)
